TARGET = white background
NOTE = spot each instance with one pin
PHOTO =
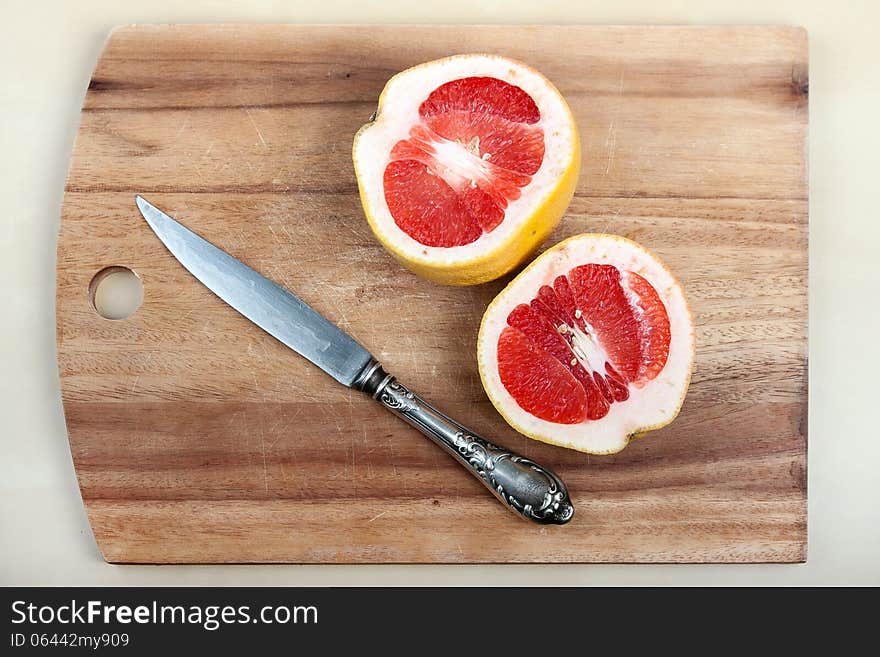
(47, 51)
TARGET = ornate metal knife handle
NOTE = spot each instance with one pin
(532, 491)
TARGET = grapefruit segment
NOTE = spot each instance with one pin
(603, 349)
(542, 385)
(468, 165)
(482, 96)
(655, 329)
(427, 208)
(612, 332)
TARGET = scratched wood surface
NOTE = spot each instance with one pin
(198, 438)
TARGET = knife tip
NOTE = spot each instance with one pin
(148, 211)
(144, 206)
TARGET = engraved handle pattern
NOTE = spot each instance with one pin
(525, 487)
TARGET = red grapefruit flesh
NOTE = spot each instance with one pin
(591, 344)
(597, 330)
(475, 146)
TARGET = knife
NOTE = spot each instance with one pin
(525, 487)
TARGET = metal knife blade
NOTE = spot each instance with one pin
(274, 309)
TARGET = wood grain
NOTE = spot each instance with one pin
(198, 438)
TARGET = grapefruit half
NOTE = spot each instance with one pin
(590, 346)
(467, 165)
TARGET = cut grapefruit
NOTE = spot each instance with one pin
(468, 164)
(590, 346)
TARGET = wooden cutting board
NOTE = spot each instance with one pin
(198, 438)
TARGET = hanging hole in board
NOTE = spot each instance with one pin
(116, 292)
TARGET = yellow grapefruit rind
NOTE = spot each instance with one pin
(634, 434)
(505, 256)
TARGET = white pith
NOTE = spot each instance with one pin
(399, 111)
(586, 347)
(458, 166)
(649, 406)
